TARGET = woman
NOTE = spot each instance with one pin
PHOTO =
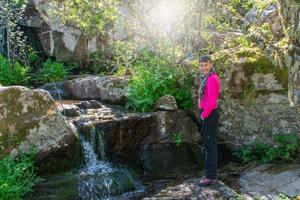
(209, 116)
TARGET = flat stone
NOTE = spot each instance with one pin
(267, 183)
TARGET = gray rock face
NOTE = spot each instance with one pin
(166, 103)
(109, 89)
(265, 117)
(251, 17)
(268, 181)
(269, 13)
(265, 82)
(66, 43)
(29, 118)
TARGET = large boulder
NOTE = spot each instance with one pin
(143, 139)
(258, 120)
(66, 43)
(29, 118)
(109, 89)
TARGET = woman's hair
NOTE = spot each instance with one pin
(205, 58)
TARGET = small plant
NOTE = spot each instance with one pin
(51, 71)
(176, 137)
(287, 146)
(12, 73)
(17, 176)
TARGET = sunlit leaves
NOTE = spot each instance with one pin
(91, 16)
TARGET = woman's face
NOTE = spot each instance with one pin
(205, 67)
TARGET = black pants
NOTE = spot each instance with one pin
(209, 134)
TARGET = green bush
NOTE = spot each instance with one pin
(287, 146)
(51, 71)
(12, 73)
(153, 77)
(17, 176)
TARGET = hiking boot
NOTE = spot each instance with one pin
(206, 182)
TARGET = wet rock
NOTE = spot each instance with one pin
(166, 103)
(29, 118)
(95, 104)
(85, 105)
(137, 137)
(71, 111)
(268, 181)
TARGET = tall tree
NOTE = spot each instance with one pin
(12, 40)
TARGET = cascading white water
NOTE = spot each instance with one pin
(90, 184)
(91, 161)
(99, 179)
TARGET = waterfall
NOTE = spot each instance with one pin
(94, 185)
(99, 179)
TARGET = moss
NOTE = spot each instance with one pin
(251, 60)
(16, 124)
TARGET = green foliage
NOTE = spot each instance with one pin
(116, 59)
(91, 16)
(51, 71)
(261, 5)
(287, 146)
(219, 23)
(177, 139)
(240, 6)
(17, 176)
(153, 77)
(242, 41)
(12, 73)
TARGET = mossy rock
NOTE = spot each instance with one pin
(30, 119)
(245, 62)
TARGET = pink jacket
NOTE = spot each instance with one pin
(211, 94)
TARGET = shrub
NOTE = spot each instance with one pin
(153, 77)
(17, 176)
(51, 71)
(287, 146)
(12, 73)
